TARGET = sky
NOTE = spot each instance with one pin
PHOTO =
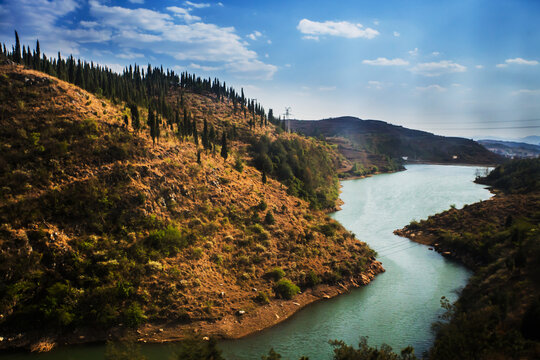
(460, 68)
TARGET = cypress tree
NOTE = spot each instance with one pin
(195, 135)
(37, 58)
(205, 141)
(264, 180)
(224, 150)
(17, 52)
(135, 119)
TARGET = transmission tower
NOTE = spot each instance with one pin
(287, 120)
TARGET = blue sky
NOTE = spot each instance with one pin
(461, 67)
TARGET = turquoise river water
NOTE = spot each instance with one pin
(397, 308)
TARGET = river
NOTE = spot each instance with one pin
(397, 308)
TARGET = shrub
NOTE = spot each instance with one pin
(276, 274)
(262, 298)
(134, 315)
(269, 218)
(312, 279)
(167, 241)
(285, 289)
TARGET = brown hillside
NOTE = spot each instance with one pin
(101, 232)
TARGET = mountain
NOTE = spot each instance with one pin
(511, 149)
(118, 218)
(532, 139)
(383, 144)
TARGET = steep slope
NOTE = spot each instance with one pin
(498, 312)
(373, 142)
(103, 233)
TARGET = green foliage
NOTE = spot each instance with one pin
(515, 176)
(167, 241)
(196, 348)
(304, 166)
(276, 274)
(262, 298)
(343, 351)
(285, 289)
(133, 315)
(269, 218)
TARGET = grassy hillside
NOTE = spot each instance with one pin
(498, 313)
(102, 232)
(371, 143)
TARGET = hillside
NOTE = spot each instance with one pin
(377, 143)
(511, 149)
(498, 312)
(103, 233)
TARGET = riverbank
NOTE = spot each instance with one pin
(498, 312)
(233, 326)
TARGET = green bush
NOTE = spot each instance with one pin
(285, 289)
(276, 274)
(262, 298)
(167, 241)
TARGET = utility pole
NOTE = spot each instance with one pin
(288, 121)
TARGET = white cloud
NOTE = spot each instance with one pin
(501, 65)
(310, 37)
(220, 4)
(520, 61)
(183, 14)
(130, 55)
(431, 88)
(266, 56)
(438, 68)
(252, 69)
(479, 66)
(386, 62)
(527, 92)
(268, 42)
(89, 24)
(336, 28)
(327, 88)
(197, 5)
(173, 32)
(435, 53)
(373, 84)
(136, 1)
(413, 52)
(375, 22)
(203, 67)
(396, 34)
(255, 35)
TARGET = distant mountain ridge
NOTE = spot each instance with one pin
(393, 142)
(511, 149)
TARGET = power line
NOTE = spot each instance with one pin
(476, 122)
(492, 128)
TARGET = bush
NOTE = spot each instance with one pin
(276, 274)
(285, 289)
(269, 218)
(167, 241)
(262, 298)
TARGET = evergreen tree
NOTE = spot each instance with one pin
(17, 53)
(264, 180)
(37, 58)
(152, 124)
(126, 120)
(135, 119)
(205, 140)
(195, 134)
(224, 149)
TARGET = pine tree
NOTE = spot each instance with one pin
(224, 149)
(264, 180)
(17, 53)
